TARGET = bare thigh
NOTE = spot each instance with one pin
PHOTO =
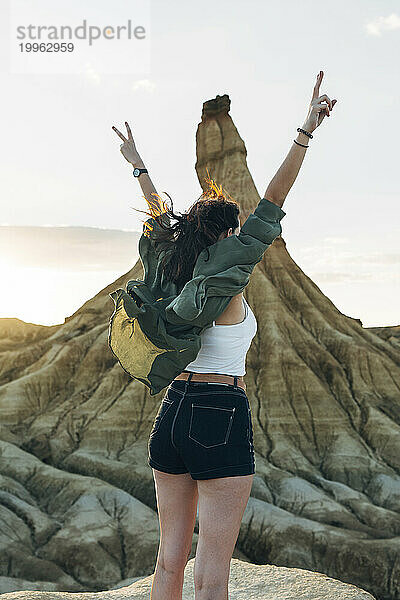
(177, 510)
(222, 502)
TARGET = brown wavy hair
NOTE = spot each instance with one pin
(194, 230)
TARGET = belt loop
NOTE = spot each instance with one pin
(188, 380)
(235, 380)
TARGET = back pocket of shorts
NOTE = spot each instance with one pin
(210, 425)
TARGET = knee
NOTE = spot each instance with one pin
(210, 578)
(173, 562)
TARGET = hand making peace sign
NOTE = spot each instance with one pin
(317, 110)
(128, 147)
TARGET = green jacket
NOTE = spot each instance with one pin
(155, 328)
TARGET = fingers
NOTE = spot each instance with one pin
(320, 105)
(130, 137)
(333, 104)
(325, 97)
(123, 138)
(323, 108)
(317, 85)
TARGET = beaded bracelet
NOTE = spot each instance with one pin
(298, 143)
(305, 132)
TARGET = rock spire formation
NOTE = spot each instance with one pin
(77, 501)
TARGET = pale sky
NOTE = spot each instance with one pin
(61, 164)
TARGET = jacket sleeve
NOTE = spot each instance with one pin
(148, 244)
(256, 234)
(224, 268)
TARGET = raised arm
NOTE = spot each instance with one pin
(286, 175)
(129, 151)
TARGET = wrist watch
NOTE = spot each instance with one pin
(136, 172)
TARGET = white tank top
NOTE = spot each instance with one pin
(224, 347)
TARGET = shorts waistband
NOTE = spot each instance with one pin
(212, 379)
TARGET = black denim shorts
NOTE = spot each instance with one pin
(204, 429)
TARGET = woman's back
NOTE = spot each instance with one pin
(224, 345)
(234, 313)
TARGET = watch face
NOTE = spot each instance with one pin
(136, 172)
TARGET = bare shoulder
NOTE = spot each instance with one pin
(234, 313)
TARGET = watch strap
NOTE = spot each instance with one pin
(140, 171)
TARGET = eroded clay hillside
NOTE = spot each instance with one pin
(77, 502)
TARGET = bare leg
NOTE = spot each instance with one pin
(222, 502)
(177, 510)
